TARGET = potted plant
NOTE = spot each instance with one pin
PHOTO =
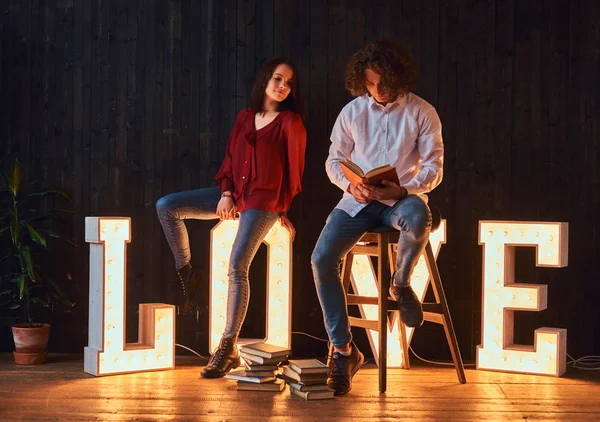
(25, 227)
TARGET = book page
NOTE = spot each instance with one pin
(354, 167)
(378, 170)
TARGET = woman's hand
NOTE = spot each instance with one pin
(226, 208)
(285, 222)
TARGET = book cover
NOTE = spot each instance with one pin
(251, 359)
(277, 385)
(356, 175)
(242, 376)
(301, 387)
(312, 395)
(265, 350)
(256, 367)
(308, 366)
(253, 373)
(316, 382)
(290, 373)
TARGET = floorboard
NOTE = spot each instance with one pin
(60, 390)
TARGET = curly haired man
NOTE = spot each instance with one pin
(385, 124)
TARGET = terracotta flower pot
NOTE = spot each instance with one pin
(31, 343)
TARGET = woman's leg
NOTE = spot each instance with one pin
(172, 209)
(253, 227)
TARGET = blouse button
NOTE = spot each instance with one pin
(243, 177)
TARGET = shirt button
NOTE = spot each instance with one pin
(245, 162)
(243, 177)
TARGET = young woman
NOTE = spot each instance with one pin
(260, 176)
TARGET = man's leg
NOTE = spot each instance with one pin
(412, 217)
(339, 235)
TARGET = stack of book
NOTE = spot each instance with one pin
(307, 378)
(262, 361)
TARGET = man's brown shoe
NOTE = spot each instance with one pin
(342, 369)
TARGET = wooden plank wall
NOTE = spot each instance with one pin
(120, 102)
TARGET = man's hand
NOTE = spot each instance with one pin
(390, 190)
(358, 194)
(226, 208)
(285, 222)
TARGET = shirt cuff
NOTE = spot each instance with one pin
(410, 189)
(226, 185)
(344, 183)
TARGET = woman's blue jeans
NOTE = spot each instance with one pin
(201, 204)
(410, 215)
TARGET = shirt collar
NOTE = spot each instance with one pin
(401, 100)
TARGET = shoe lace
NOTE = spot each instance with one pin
(219, 354)
(182, 283)
(338, 368)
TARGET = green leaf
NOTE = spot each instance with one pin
(15, 306)
(35, 236)
(40, 301)
(14, 181)
(51, 233)
(58, 236)
(64, 210)
(5, 292)
(60, 294)
(15, 228)
(21, 286)
(52, 191)
(10, 255)
(26, 254)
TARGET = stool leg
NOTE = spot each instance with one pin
(383, 275)
(401, 327)
(438, 290)
(404, 344)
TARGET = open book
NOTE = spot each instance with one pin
(356, 175)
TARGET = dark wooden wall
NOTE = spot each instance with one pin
(120, 102)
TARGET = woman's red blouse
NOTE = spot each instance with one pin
(263, 168)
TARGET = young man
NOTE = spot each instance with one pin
(385, 124)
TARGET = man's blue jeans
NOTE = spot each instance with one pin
(410, 215)
(201, 204)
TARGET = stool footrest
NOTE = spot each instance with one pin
(370, 250)
(434, 308)
(369, 300)
(361, 300)
(433, 317)
(364, 323)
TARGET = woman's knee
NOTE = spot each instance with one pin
(164, 206)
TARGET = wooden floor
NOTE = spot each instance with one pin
(60, 390)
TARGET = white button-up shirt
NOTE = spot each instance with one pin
(406, 133)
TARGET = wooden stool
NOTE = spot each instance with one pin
(380, 242)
